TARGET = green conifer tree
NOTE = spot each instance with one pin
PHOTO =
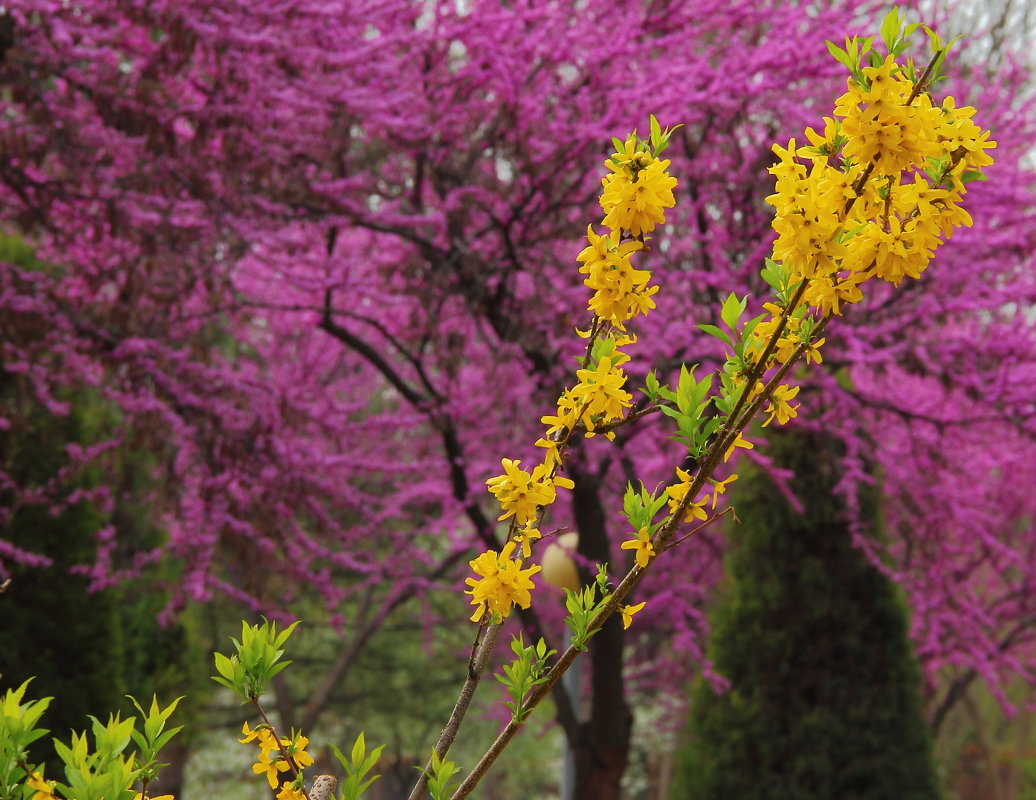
(824, 700)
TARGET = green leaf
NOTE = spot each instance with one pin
(732, 310)
(890, 27)
(276, 668)
(771, 276)
(934, 39)
(656, 132)
(716, 332)
(359, 749)
(839, 54)
(283, 636)
(224, 666)
(163, 739)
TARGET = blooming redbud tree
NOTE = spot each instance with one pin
(321, 263)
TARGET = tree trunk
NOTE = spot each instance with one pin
(603, 741)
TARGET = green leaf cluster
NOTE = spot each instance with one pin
(603, 347)
(778, 278)
(655, 144)
(584, 605)
(850, 57)
(257, 661)
(154, 736)
(105, 773)
(652, 387)
(660, 138)
(895, 35)
(641, 507)
(440, 780)
(937, 171)
(18, 730)
(691, 398)
(357, 765)
(523, 674)
(736, 364)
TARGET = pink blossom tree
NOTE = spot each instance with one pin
(320, 258)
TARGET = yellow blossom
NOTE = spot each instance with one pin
(570, 411)
(637, 191)
(289, 791)
(502, 583)
(295, 749)
(552, 450)
(740, 441)
(779, 405)
(881, 126)
(642, 544)
(813, 351)
(525, 537)
(827, 293)
(262, 733)
(720, 487)
(520, 493)
(44, 789)
(896, 252)
(600, 390)
(961, 134)
(677, 493)
(628, 612)
(270, 767)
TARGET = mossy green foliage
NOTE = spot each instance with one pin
(824, 701)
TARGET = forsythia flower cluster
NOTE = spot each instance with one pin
(636, 191)
(873, 196)
(271, 765)
(502, 582)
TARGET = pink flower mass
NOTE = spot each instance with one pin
(319, 258)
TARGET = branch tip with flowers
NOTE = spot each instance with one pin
(872, 197)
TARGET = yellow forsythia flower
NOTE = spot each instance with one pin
(520, 493)
(637, 191)
(269, 767)
(628, 612)
(502, 583)
(601, 392)
(290, 792)
(779, 405)
(740, 441)
(642, 544)
(720, 487)
(677, 492)
(44, 789)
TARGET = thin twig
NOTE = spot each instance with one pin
(476, 667)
